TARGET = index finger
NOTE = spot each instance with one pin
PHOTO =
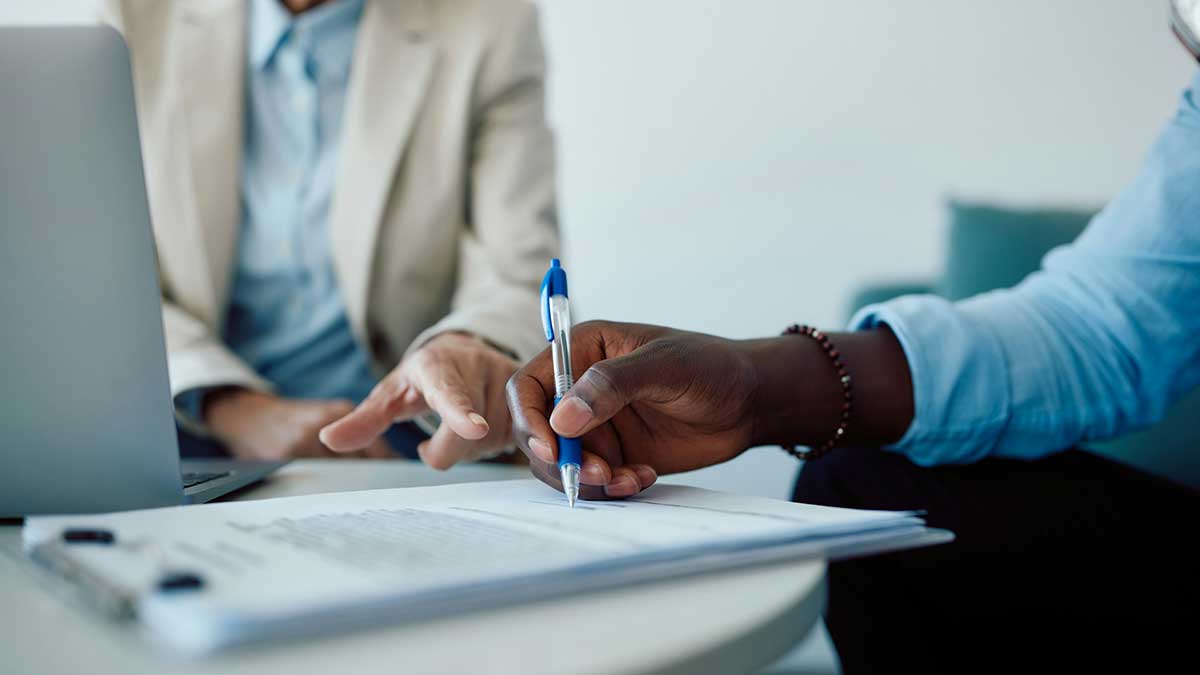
(447, 393)
(530, 393)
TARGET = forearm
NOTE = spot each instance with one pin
(1095, 348)
(799, 396)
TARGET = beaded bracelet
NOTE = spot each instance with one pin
(847, 394)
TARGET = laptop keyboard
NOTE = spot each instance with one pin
(193, 478)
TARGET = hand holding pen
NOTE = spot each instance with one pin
(650, 401)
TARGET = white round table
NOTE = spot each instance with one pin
(731, 622)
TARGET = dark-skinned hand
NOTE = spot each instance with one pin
(655, 400)
(650, 400)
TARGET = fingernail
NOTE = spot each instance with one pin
(593, 473)
(541, 449)
(571, 416)
(478, 420)
(622, 486)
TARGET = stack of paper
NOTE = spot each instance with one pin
(300, 565)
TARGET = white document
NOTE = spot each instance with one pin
(299, 565)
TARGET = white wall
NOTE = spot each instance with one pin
(19, 12)
(755, 162)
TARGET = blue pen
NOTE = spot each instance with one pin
(556, 319)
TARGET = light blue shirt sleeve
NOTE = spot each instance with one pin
(1098, 343)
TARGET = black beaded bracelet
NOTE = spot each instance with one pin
(800, 452)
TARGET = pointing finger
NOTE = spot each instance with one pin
(391, 399)
(449, 396)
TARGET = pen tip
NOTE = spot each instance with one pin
(570, 482)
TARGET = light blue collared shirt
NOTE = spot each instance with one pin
(286, 316)
(1098, 343)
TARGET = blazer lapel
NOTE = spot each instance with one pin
(210, 76)
(391, 69)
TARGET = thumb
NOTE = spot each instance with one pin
(606, 388)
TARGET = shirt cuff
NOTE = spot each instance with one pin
(189, 409)
(961, 396)
(190, 403)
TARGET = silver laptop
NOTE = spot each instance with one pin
(86, 418)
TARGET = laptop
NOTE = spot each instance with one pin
(86, 418)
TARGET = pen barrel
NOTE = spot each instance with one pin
(570, 450)
(560, 354)
(560, 347)
(558, 310)
(562, 383)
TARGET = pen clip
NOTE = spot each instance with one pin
(546, 323)
(554, 283)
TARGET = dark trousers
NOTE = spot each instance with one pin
(1072, 563)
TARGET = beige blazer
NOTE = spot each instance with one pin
(443, 213)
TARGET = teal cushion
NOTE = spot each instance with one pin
(992, 248)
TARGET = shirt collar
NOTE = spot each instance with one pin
(271, 23)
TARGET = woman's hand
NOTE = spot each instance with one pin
(459, 377)
(650, 400)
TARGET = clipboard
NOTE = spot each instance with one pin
(210, 577)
